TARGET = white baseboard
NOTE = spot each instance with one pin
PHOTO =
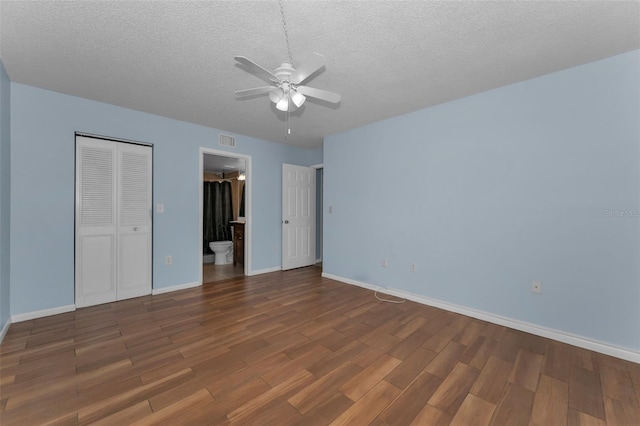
(265, 271)
(43, 313)
(4, 330)
(560, 336)
(169, 289)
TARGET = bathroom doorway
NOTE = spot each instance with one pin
(224, 214)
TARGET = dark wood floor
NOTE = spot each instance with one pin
(293, 348)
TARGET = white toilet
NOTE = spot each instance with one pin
(223, 251)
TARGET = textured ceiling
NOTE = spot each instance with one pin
(386, 58)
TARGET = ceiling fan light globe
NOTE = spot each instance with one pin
(275, 95)
(283, 104)
(297, 98)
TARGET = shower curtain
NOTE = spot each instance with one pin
(218, 212)
(241, 214)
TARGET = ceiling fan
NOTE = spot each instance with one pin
(286, 90)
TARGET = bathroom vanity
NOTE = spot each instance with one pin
(238, 242)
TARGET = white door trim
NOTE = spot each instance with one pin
(247, 203)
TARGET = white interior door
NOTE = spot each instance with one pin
(298, 216)
(113, 221)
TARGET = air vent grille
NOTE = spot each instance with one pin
(226, 140)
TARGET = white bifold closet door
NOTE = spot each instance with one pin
(113, 221)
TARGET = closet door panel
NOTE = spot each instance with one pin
(135, 265)
(95, 263)
(134, 230)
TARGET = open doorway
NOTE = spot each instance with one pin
(225, 211)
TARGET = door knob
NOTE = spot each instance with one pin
(286, 221)
(135, 229)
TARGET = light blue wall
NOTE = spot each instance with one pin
(43, 124)
(490, 192)
(5, 188)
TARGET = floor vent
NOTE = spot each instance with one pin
(226, 140)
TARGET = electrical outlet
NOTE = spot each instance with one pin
(330, 209)
(168, 260)
(536, 287)
(385, 263)
(412, 267)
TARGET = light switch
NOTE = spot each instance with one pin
(160, 208)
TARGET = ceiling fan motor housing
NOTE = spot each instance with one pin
(284, 71)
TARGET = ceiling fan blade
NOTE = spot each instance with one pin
(256, 69)
(311, 92)
(254, 91)
(306, 69)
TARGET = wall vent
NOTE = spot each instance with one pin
(226, 140)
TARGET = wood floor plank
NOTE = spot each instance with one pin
(438, 341)
(514, 407)
(473, 411)
(410, 327)
(578, 418)
(410, 368)
(275, 412)
(620, 413)
(448, 358)
(327, 411)
(550, 403)
(367, 408)
(345, 354)
(477, 356)
(225, 403)
(177, 393)
(492, 380)
(409, 344)
(293, 384)
(323, 389)
(617, 384)
(585, 392)
(282, 373)
(107, 407)
(508, 346)
(230, 382)
(470, 333)
(430, 415)
(127, 416)
(558, 361)
(450, 395)
(369, 377)
(526, 370)
(376, 350)
(281, 348)
(174, 413)
(409, 404)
